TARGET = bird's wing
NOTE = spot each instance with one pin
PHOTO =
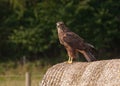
(73, 39)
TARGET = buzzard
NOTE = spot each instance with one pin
(74, 44)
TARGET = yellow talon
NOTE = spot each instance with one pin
(70, 60)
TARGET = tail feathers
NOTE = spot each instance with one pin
(89, 56)
(90, 45)
(91, 49)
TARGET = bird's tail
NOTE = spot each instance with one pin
(89, 56)
(91, 53)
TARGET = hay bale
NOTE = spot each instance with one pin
(99, 73)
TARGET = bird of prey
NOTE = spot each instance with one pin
(74, 43)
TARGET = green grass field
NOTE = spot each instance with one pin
(12, 74)
(19, 80)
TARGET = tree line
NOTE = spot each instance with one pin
(28, 27)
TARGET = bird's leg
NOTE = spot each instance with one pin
(70, 60)
(71, 54)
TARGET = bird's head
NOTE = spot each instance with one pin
(60, 25)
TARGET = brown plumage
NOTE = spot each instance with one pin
(74, 43)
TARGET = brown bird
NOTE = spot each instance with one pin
(74, 44)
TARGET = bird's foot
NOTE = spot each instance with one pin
(69, 62)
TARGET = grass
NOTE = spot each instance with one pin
(13, 74)
(19, 80)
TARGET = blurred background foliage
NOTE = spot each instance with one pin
(28, 27)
